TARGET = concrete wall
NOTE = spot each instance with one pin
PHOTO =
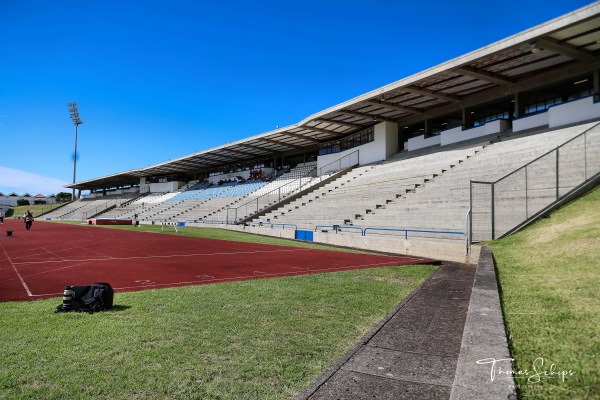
(429, 248)
(561, 114)
(529, 122)
(286, 233)
(165, 187)
(420, 142)
(459, 134)
(451, 250)
(573, 111)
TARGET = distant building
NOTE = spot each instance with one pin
(11, 199)
(40, 199)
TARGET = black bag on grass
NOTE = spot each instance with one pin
(91, 298)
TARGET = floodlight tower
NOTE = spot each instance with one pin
(74, 115)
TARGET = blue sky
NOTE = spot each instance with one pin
(157, 80)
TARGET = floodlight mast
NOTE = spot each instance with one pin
(74, 115)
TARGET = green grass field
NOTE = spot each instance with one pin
(259, 339)
(267, 339)
(36, 209)
(550, 279)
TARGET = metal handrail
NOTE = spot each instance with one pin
(339, 227)
(468, 232)
(406, 231)
(340, 161)
(272, 225)
(292, 184)
(297, 181)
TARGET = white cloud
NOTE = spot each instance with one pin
(20, 182)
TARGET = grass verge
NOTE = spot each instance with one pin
(550, 276)
(259, 339)
(36, 209)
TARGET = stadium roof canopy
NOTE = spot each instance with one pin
(562, 48)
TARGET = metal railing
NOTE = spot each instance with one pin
(407, 231)
(293, 226)
(96, 210)
(498, 207)
(340, 228)
(342, 163)
(235, 214)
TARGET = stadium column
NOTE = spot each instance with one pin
(597, 82)
(519, 109)
(386, 134)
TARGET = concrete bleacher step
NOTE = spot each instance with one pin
(439, 200)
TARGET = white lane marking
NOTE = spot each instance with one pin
(158, 257)
(17, 272)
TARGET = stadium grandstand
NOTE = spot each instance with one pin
(466, 151)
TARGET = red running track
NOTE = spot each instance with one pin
(39, 263)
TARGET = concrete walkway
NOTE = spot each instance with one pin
(410, 354)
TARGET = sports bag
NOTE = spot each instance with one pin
(91, 298)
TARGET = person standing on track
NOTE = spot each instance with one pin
(28, 220)
(1, 217)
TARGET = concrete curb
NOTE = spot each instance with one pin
(484, 340)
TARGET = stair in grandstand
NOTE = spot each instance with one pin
(313, 195)
(86, 207)
(140, 206)
(426, 191)
(443, 204)
(375, 191)
(281, 191)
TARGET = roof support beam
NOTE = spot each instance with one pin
(565, 49)
(301, 136)
(584, 33)
(279, 143)
(393, 106)
(325, 131)
(333, 121)
(234, 151)
(568, 72)
(430, 93)
(374, 117)
(259, 148)
(484, 76)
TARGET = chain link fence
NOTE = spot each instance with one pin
(499, 207)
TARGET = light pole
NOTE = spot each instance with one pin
(74, 115)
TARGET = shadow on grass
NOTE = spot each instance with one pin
(119, 307)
